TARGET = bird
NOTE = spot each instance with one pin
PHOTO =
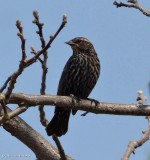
(78, 78)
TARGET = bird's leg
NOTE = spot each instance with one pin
(92, 101)
(85, 113)
(74, 100)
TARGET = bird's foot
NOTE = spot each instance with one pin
(93, 101)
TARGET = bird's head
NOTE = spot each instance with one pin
(81, 45)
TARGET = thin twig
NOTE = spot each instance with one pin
(133, 5)
(12, 114)
(13, 81)
(22, 63)
(33, 51)
(52, 38)
(5, 84)
(40, 25)
(2, 103)
(135, 144)
(60, 148)
(20, 34)
(25, 63)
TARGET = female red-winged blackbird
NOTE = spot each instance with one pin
(79, 77)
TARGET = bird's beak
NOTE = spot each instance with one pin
(70, 43)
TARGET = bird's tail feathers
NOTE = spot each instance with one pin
(59, 123)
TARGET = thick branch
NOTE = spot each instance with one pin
(85, 105)
(22, 131)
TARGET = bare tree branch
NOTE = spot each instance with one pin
(43, 119)
(40, 28)
(60, 148)
(22, 63)
(52, 38)
(25, 63)
(5, 84)
(32, 139)
(135, 144)
(12, 114)
(35, 52)
(2, 104)
(85, 105)
(133, 5)
(6, 118)
(15, 125)
(20, 34)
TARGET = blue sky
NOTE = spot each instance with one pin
(121, 39)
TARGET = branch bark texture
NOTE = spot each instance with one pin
(85, 105)
(32, 139)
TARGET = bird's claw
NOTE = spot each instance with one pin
(93, 101)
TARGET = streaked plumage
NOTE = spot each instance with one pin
(79, 77)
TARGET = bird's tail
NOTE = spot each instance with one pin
(59, 123)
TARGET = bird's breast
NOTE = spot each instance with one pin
(79, 76)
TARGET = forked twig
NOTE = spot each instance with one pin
(135, 144)
(134, 5)
(40, 25)
(25, 63)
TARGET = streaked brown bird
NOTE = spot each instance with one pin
(79, 77)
